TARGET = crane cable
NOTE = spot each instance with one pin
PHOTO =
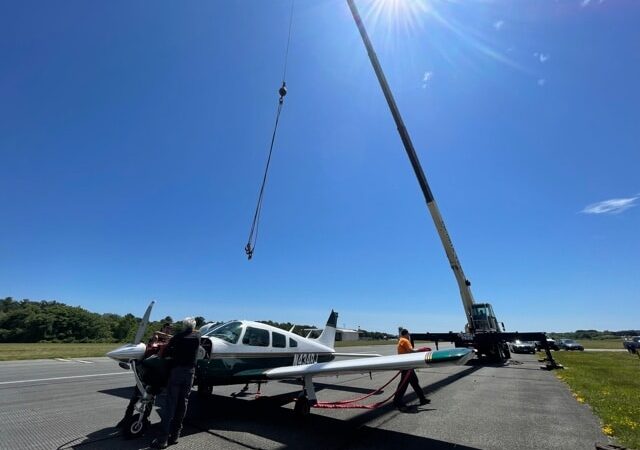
(253, 234)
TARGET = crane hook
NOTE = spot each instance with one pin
(282, 91)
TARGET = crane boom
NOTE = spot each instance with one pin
(463, 284)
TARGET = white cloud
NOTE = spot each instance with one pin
(541, 82)
(426, 78)
(541, 57)
(613, 206)
(498, 24)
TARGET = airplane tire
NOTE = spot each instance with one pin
(302, 408)
(132, 429)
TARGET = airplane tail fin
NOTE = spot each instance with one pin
(328, 335)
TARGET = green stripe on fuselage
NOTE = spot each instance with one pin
(242, 368)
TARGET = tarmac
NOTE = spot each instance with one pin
(65, 404)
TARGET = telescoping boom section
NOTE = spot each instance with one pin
(481, 320)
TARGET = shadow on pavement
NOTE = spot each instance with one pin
(242, 423)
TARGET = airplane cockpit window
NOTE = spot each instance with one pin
(279, 340)
(229, 332)
(293, 343)
(256, 336)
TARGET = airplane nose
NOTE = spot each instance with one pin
(128, 352)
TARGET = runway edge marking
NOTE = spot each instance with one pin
(64, 378)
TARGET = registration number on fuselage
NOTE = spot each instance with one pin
(305, 358)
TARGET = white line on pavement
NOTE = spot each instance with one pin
(64, 378)
(83, 361)
(62, 359)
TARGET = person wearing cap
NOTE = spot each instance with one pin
(408, 376)
(183, 351)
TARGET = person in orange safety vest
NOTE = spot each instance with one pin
(407, 376)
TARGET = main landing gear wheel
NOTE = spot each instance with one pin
(134, 427)
(303, 407)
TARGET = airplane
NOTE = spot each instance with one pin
(243, 352)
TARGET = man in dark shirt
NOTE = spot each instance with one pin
(183, 351)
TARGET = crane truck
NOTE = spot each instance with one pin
(483, 332)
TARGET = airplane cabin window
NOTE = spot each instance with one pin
(279, 340)
(293, 343)
(256, 337)
(229, 332)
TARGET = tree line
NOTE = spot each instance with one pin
(52, 321)
(595, 334)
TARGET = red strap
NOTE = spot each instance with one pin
(350, 403)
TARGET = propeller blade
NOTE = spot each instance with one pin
(143, 324)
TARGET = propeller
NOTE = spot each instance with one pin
(143, 324)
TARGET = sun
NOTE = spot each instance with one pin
(398, 15)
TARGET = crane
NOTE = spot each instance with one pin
(482, 330)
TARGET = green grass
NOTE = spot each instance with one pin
(11, 352)
(609, 382)
(601, 343)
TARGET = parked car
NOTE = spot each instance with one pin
(632, 344)
(519, 346)
(550, 342)
(569, 344)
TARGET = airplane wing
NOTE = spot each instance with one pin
(356, 355)
(456, 356)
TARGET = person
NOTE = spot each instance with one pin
(155, 345)
(405, 345)
(183, 351)
(160, 339)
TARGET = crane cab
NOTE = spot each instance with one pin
(484, 319)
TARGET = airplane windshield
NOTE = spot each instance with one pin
(229, 332)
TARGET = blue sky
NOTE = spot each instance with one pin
(133, 136)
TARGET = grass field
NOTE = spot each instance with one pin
(9, 352)
(609, 382)
(601, 343)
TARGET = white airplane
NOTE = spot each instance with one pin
(243, 351)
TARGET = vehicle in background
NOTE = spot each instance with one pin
(632, 344)
(569, 344)
(519, 346)
(550, 342)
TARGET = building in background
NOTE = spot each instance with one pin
(345, 334)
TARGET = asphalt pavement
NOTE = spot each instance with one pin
(64, 404)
